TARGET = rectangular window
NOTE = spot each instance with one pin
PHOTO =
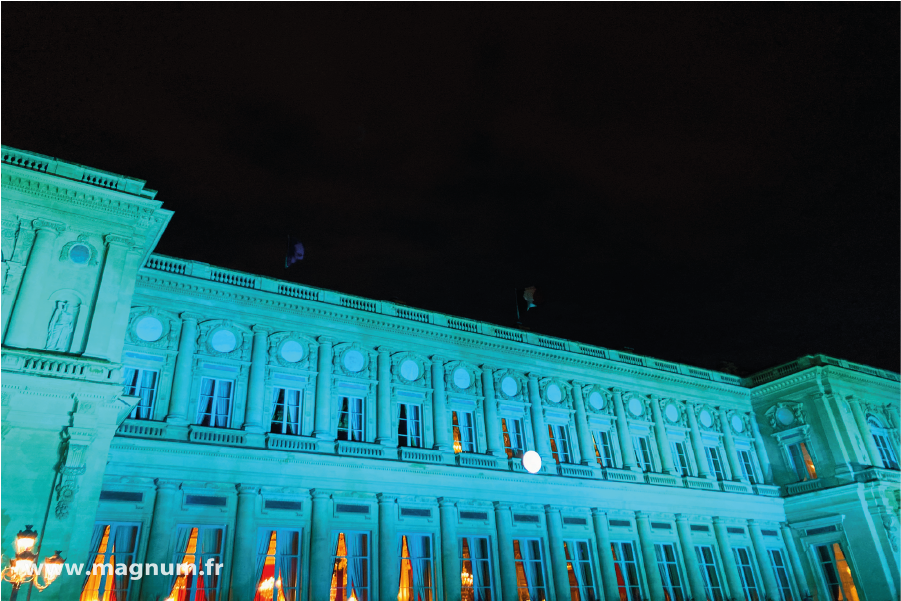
(603, 450)
(884, 447)
(802, 462)
(681, 456)
(350, 566)
(747, 466)
(464, 433)
(580, 570)
(215, 407)
(709, 572)
(475, 572)
(415, 568)
(513, 441)
(668, 564)
(278, 565)
(350, 419)
(643, 453)
(781, 572)
(197, 549)
(530, 579)
(142, 383)
(714, 462)
(626, 565)
(746, 572)
(111, 544)
(409, 425)
(559, 443)
(286, 411)
(836, 573)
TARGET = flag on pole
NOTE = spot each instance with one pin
(294, 251)
(526, 298)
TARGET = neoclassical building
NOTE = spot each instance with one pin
(322, 446)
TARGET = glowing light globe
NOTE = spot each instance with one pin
(532, 462)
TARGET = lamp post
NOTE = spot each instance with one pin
(23, 568)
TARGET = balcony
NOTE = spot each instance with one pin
(142, 428)
(878, 473)
(475, 460)
(799, 488)
(287, 442)
(360, 449)
(663, 479)
(417, 455)
(741, 488)
(224, 436)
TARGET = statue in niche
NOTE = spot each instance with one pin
(59, 334)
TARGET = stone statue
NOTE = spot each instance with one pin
(62, 323)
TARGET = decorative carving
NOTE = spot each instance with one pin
(169, 335)
(638, 407)
(123, 240)
(67, 488)
(890, 523)
(41, 224)
(597, 400)
(353, 360)
(213, 331)
(451, 377)
(518, 378)
(421, 374)
(278, 350)
(82, 240)
(708, 418)
(24, 238)
(784, 415)
(673, 412)
(62, 324)
(548, 393)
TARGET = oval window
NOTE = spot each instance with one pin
(509, 387)
(635, 407)
(292, 351)
(149, 328)
(462, 379)
(409, 369)
(706, 419)
(596, 400)
(554, 394)
(672, 413)
(80, 254)
(354, 360)
(224, 341)
(737, 424)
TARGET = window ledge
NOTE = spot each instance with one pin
(360, 449)
(291, 442)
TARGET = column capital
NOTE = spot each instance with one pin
(533, 376)
(681, 517)
(654, 398)
(642, 515)
(112, 239)
(596, 511)
(325, 340)
(385, 350)
(438, 359)
(552, 509)
(577, 384)
(502, 505)
(487, 369)
(258, 329)
(448, 501)
(617, 391)
(385, 499)
(189, 316)
(56, 227)
(167, 484)
(247, 489)
(318, 493)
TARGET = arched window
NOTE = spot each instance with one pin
(880, 435)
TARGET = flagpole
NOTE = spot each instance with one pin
(516, 302)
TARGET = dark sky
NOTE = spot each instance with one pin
(701, 183)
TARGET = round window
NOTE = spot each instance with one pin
(353, 360)
(224, 341)
(80, 254)
(635, 407)
(706, 419)
(596, 400)
(672, 413)
(554, 394)
(462, 379)
(149, 328)
(785, 416)
(509, 387)
(737, 424)
(409, 369)
(292, 351)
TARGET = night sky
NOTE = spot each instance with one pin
(700, 183)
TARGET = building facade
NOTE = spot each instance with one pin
(322, 446)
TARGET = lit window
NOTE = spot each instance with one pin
(559, 444)
(603, 450)
(580, 570)
(142, 383)
(626, 565)
(278, 569)
(780, 569)
(415, 568)
(350, 571)
(464, 435)
(111, 544)
(643, 453)
(409, 425)
(714, 462)
(475, 568)
(802, 462)
(215, 405)
(286, 411)
(530, 580)
(512, 431)
(681, 456)
(350, 419)
(709, 572)
(198, 558)
(836, 573)
(747, 466)
(668, 564)
(881, 437)
(746, 572)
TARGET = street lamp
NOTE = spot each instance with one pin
(22, 569)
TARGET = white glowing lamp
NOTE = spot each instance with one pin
(25, 540)
(531, 461)
(24, 567)
(53, 567)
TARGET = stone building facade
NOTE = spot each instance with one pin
(163, 411)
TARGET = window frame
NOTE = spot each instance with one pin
(784, 584)
(457, 429)
(607, 458)
(514, 443)
(573, 564)
(633, 590)
(344, 401)
(92, 556)
(433, 589)
(200, 400)
(714, 593)
(136, 388)
(524, 550)
(804, 455)
(489, 557)
(334, 553)
(646, 464)
(414, 441)
(824, 581)
(744, 570)
(682, 461)
(558, 435)
(200, 558)
(262, 531)
(746, 463)
(281, 392)
(715, 462)
(883, 443)
(666, 575)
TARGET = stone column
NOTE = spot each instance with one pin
(108, 289)
(503, 518)
(666, 453)
(729, 443)
(320, 543)
(696, 443)
(760, 448)
(492, 421)
(622, 427)
(731, 570)
(253, 416)
(22, 331)
(439, 406)
(539, 429)
(184, 371)
(869, 442)
(162, 532)
(322, 422)
(450, 552)
(605, 553)
(788, 537)
(586, 444)
(385, 433)
(557, 554)
(763, 560)
(695, 579)
(655, 584)
(245, 550)
(389, 560)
